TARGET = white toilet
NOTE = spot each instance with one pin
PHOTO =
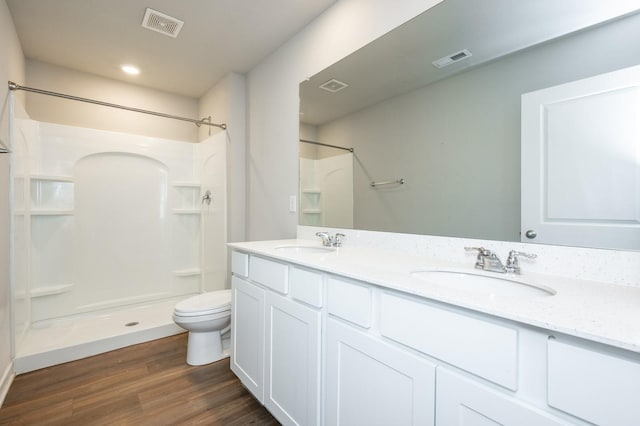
(206, 317)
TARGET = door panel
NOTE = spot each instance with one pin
(581, 162)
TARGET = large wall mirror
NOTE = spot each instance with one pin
(422, 131)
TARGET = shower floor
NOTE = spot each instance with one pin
(52, 342)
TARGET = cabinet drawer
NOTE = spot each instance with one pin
(269, 273)
(597, 387)
(480, 347)
(306, 286)
(350, 301)
(240, 264)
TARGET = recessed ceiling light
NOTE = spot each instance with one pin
(130, 69)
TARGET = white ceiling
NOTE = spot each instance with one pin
(219, 36)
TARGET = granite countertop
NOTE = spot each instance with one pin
(601, 312)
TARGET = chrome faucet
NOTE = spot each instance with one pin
(489, 261)
(329, 241)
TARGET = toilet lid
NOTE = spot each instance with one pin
(205, 303)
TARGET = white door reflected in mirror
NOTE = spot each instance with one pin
(581, 162)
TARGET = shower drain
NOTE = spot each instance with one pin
(131, 324)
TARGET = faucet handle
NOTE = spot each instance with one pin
(337, 241)
(326, 239)
(515, 254)
(478, 249)
(512, 260)
(482, 253)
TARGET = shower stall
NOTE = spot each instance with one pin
(109, 231)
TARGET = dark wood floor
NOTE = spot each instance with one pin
(146, 384)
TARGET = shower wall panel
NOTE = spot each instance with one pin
(21, 138)
(115, 219)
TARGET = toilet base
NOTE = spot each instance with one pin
(204, 347)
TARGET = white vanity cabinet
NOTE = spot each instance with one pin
(370, 382)
(247, 335)
(321, 348)
(463, 401)
(276, 337)
(292, 369)
(595, 385)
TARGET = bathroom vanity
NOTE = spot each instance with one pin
(359, 336)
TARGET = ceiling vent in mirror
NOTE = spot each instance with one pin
(165, 24)
(451, 59)
(333, 85)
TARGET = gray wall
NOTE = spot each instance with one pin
(55, 110)
(457, 142)
(225, 102)
(273, 102)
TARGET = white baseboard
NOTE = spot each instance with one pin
(7, 378)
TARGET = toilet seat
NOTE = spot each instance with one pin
(204, 304)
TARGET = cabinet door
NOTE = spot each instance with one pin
(292, 382)
(247, 345)
(462, 401)
(369, 382)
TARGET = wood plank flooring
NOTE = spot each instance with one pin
(146, 384)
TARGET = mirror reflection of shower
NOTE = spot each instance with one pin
(326, 185)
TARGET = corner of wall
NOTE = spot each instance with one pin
(5, 382)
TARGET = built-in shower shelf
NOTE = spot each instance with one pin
(186, 211)
(187, 272)
(186, 184)
(312, 211)
(51, 212)
(50, 290)
(52, 178)
(311, 191)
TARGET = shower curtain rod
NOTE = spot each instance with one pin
(324, 144)
(206, 120)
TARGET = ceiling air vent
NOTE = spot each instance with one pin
(333, 85)
(451, 59)
(165, 24)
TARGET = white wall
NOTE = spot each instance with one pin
(274, 103)
(11, 68)
(61, 111)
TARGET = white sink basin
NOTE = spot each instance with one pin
(479, 283)
(305, 249)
